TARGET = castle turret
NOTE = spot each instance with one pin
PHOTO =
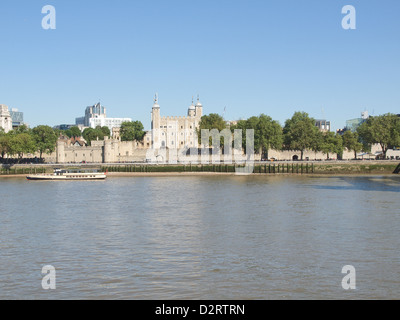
(198, 108)
(108, 152)
(155, 114)
(155, 123)
(192, 110)
(60, 151)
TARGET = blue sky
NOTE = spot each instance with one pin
(252, 57)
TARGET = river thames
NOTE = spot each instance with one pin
(201, 237)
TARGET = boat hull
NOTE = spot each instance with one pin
(66, 178)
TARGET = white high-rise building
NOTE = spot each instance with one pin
(5, 118)
(96, 116)
(107, 122)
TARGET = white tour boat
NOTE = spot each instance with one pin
(69, 174)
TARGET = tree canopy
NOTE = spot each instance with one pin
(45, 139)
(21, 144)
(383, 130)
(131, 131)
(22, 141)
(331, 143)
(267, 133)
(73, 132)
(351, 142)
(300, 132)
(90, 134)
(210, 122)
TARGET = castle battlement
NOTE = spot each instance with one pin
(174, 118)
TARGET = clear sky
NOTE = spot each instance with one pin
(252, 57)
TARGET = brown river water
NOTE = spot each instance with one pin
(203, 237)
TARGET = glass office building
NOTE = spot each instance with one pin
(17, 118)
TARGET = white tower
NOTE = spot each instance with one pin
(5, 118)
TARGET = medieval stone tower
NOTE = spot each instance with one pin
(175, 132)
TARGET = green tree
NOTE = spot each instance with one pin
(5, 144)
(21, 144)
(240, 125)
(22, 129)
(299, 132)
(317, 142)
(59, 132)
(268, 134)
(351, 142)
(383, 130)
(244, 125)
(252, 123)
(131, 131)
(106, 131)
(45, 139)
(210, 122)
(90, 134)
(331, 143)
(73, 132)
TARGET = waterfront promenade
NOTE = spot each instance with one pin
(261, 167)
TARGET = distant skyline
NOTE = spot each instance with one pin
(248, 56)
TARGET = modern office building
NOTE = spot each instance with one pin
(96, 116)
(110, 123)
(323, 125)
(64, 126)
(96, 111)
(353, 124)
(17, 118)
